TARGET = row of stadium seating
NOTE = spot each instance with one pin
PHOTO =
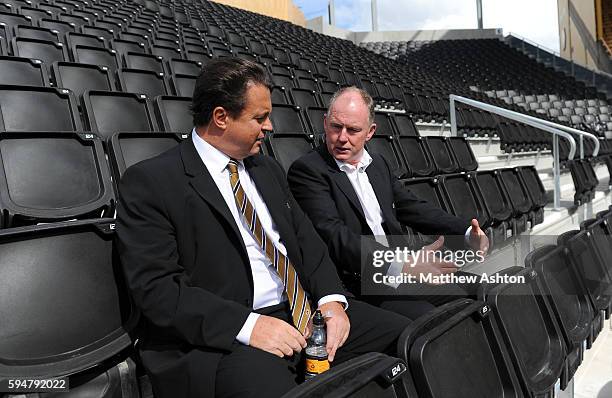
(85, 95)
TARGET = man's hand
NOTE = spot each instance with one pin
(338, 327)
(276, 337)
(478, 240)
(429, 263)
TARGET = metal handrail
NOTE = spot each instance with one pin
(549, 127)
(578, 132)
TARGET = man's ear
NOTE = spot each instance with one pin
(220, 117)
(371, 132)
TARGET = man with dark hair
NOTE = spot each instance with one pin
(356, 204)
(222, 262)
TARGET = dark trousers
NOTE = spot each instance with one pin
(250, 372)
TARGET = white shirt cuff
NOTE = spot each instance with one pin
(467, 236)
(244, 335)
(395, 269)
(333, 297)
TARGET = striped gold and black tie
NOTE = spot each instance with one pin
(298, 301)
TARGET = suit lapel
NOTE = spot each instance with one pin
(380, 185)
(341, 179)
(203, 183)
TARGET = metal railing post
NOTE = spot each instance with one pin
(453, 118)
(556, 174)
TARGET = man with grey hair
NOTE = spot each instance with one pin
(358, 206)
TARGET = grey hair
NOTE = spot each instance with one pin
(367, 100)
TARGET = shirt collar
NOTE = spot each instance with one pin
(215, 160)
(363, 164)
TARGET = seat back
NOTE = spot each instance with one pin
(288, 147)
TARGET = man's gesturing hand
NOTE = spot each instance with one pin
(276, 337)
(478, 239)
(428, 263)
(338, 327)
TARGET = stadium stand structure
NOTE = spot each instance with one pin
(81, 79)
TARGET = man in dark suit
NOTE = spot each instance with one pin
(358, 206)
(222, 262)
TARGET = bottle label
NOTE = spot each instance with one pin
(316, 366)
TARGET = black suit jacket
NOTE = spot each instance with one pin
(187, 267)
(327, 196)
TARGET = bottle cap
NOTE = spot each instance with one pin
(318, 319)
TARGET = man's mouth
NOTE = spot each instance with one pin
(342, 150)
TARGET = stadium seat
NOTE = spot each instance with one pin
(279, 95)
(442, 155)
(84, 39)
(55, 109)
(184, 67)
(464, 199)
(417, 157)
(286, 119)
(462, 151)
(304, 98)
(526, 322)
(428, 189)
(46, 338)
(143, 62)
(46, 51)
(183, 85)
(315, 119)
(288, 147)
(145, 82)
(110, 112)
(49, 177)
(95, 56)
(33, 32)
(22, 71)
(383, 124)
(519, 198)
(569, 302)
(368, 375)
(497, 203)
(80, 77)
(173, 113)
(129, 148)
(385, 146)
(455, 351)
(404, 125)
(537, 193)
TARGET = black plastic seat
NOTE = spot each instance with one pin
(462, 151)
(385, 146)
(54, 109)
(428, 189)
(283, 81)
(59, 26)
(537, 192)
(64, 276)
(568, 299)
(22, 71)
(110, 112)
(184, 67)
(166, 52)
(96, 56)
(279, 95)
(33, 32)
(128, 148)
(80, 77)
(84, 39)
(442, 155)
(304, 98)
(434, 347)
(416, 154)
(383, 124)
(519, 198)
(145, 82)
(497, 203)
(9, 19)
(315, 119)
(183, 85)
(140, 61)
(369, 375)
(173, 113)
(46, 51)
(288, 147)
(525, 321)
(465, 202)
(98, 31)
(286, 119)
(404, 125)
(50, 176)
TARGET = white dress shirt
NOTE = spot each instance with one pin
(369, 204)
(268, 287)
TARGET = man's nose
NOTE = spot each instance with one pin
(267, 126)
(343, 136)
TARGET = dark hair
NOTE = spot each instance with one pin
(223, 82)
